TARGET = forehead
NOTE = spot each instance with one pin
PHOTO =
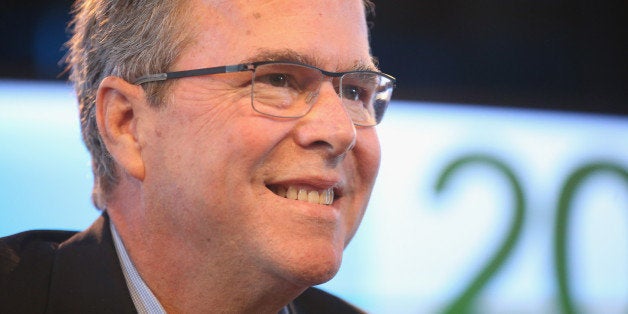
(329, 34)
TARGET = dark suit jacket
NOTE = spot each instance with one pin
(69, 272)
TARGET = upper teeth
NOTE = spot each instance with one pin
(324, 197)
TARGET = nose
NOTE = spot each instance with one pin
(327, 126)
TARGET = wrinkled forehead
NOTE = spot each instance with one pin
(332, 34)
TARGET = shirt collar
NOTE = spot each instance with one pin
(143, 299)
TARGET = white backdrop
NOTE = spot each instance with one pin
(417, 249)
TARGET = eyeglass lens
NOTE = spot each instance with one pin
(290, 90)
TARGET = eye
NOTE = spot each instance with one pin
(352, 93)
(276, 79)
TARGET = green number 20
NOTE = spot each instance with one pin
(464, 302)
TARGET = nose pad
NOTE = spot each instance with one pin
(312, 96)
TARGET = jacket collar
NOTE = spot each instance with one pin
(87, 276)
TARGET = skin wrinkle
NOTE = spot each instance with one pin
(198, 101)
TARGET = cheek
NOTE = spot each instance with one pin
(367, 153)
(200, 128)
(180, 144)
(366, 160)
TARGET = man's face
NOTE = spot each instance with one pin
(214, 165)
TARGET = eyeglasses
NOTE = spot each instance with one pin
(290, 89)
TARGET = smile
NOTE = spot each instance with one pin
(323, 197)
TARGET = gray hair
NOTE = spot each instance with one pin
(124, 38)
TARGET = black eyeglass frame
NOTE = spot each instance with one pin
(242, 67)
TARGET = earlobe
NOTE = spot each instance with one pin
(117, 106)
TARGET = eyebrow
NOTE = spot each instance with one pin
(290, 55)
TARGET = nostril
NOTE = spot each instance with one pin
(321, 143)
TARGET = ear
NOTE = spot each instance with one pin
(117, 105)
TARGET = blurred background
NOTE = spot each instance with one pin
(552, 54)
(526, 100)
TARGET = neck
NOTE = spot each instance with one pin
(188, 278)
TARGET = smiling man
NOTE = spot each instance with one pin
(234, 150)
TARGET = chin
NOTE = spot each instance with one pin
(319, 273)
(313, 266)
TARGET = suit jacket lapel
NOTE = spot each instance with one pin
(87, 276)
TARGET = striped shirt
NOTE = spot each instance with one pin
(144, 300)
